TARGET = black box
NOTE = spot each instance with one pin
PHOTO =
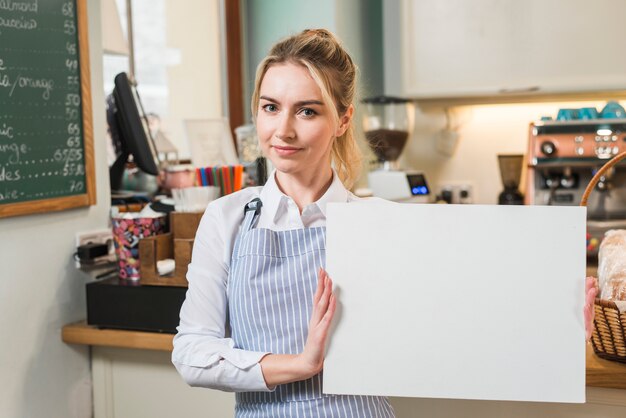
(115, 303)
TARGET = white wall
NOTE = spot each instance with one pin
(40, 290)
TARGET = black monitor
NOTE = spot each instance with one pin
(129, 131)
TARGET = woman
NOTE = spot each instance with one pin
(262, 270)
(259, 253)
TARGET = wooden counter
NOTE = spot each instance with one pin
(81, 333)
(600, 373)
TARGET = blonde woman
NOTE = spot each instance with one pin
(257, 313)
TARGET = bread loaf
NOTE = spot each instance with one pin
(612, 265)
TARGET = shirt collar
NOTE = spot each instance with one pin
(272, 197)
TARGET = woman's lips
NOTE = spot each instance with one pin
(285, 151)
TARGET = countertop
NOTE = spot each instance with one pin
(600, 373)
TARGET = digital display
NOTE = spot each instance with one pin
(417, 184)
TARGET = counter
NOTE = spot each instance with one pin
(600, 373)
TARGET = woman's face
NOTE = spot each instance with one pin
(296, 129)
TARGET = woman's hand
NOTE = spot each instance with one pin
(324, 305)
(279, 369)
(590, 294)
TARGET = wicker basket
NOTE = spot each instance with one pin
(609, 333)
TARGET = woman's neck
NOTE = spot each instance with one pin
(304, 190)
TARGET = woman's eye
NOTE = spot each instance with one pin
(269, 108)
(308, 112)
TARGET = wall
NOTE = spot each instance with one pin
(358, 24)
(265, 22)
(40, 290)
(360, 27)
(484, 132)
(194, 83)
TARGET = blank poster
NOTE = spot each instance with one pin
(457, 301)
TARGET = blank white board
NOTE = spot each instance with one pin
(457, 301)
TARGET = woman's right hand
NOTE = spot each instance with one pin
(324, 305)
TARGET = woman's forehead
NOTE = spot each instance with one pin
(288, 81)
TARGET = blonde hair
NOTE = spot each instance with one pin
(332, 69)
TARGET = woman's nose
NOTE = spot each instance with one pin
(285, 129)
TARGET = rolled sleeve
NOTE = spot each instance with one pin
(202, 354)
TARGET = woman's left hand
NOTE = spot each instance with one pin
(590, 294)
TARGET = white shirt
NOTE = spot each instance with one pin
(202, 354)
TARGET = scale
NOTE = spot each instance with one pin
(387, 123)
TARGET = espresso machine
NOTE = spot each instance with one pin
(388, 123)
(563, 156)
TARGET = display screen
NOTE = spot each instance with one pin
(417, 184)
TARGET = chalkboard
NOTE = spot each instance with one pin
(46, 133)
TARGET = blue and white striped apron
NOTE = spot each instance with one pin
(271, 284)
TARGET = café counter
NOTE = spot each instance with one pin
(600, 373)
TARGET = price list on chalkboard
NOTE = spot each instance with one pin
(42, 153)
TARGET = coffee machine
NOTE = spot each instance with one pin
(563, 156)
(388, 123)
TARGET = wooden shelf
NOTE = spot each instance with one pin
(600, 373)
(81, 333)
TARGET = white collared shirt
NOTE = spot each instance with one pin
(202, 354)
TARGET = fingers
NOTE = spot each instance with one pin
(320, 286)
(322, 299)
(330, 312)
(591, 296)
(591, 292)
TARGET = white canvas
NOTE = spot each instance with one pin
(457, 301)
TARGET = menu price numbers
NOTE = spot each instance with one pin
(71, 114)
(72, 80)
(69, 27)
(73, 169)
(70, 47)
(68, 9)
(77, 186)
(68, 155)
(73, 141)
(72, 99)
(73, 129)
(71, 64)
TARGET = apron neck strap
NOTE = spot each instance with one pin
(251, 214)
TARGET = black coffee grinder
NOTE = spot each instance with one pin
(511, 173)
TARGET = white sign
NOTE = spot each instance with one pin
(457, 301)
(210, 142)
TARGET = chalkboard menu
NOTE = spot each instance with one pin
(46, 140)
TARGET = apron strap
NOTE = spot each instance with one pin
(251, 214)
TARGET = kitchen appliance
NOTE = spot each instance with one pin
(388, 123)
(563, 157)
(511, 173)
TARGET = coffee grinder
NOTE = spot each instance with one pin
(511, 173)
(388, 123)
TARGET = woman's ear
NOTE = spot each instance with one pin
(344, 121)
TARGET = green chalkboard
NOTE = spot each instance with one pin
(46, 140)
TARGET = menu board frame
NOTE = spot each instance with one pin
(89, 196)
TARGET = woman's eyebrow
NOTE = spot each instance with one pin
(298, 104)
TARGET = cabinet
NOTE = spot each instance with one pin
(457, 48)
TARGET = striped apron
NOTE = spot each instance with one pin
(272, 280)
